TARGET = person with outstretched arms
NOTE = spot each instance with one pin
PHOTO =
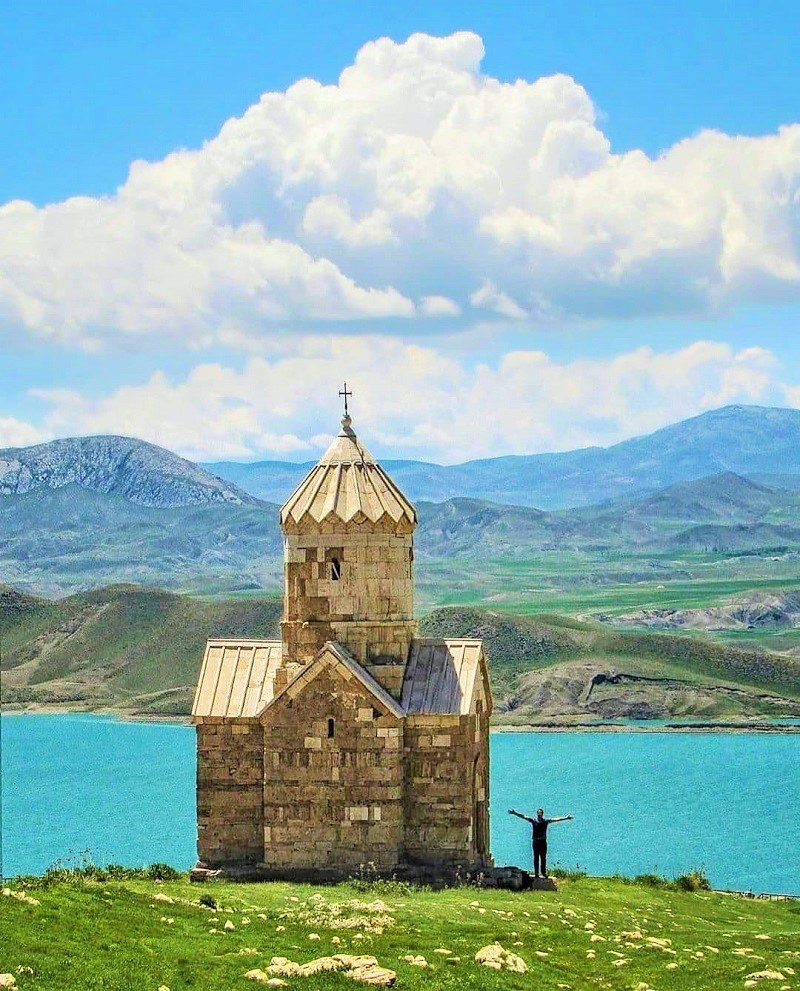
(539, 836)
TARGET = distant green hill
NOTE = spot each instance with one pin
(54, 541)
(64, 539)
(721, 512)
(139, 650)
(126, 646)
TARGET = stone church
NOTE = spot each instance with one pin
(350, 741)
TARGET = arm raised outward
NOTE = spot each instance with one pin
(519, 815)
(560, 818)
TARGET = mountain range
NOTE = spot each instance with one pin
(746, 440)
(79, 513)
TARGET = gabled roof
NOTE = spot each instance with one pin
(442, 675)
(346, 483)
(337, 655)
(236, 679)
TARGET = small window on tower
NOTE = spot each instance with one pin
(331, 728)
(336, 569)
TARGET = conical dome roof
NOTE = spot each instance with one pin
(346, 484)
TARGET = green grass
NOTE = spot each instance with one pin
(516, 644)
(581, 584)
(114, 935)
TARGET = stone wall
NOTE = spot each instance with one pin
(230, 768)
(447, 796)
(332, 802)
(438, 801)
(369, 608)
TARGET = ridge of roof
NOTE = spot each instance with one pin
(343, 656)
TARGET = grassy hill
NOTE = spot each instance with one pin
(119, 934)
(548, 669)
(122, 646)
(139, 649)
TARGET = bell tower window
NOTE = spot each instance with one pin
(331, 728)
(336, 569)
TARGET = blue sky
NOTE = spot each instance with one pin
(473, 279)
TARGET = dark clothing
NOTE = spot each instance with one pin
(539, 830)
(540, 857)
(539, 827)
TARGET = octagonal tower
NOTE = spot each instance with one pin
(348, 562)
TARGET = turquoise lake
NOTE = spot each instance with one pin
(729, 803)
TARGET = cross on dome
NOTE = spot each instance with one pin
(345, 393)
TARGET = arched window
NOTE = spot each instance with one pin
(336, 569)
(331, 728)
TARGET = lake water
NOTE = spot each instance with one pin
(665, 801)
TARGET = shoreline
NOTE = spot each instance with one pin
(698, 726)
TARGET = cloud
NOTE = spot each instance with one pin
(414, 401)
(791, 395)
(15, 433)
(415, 178)
(439, 306)
(489, 297)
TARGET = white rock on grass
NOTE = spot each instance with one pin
(415, 961)
(365, 969)
(498, 958)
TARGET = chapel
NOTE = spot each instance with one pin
(350, 741)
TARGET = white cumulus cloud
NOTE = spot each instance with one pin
(414, 401)
(414, 188)
(16, 433)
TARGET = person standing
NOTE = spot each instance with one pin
(539, 836)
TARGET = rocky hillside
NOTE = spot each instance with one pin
(56, 541)
(746, 440)
(754, 611)
(132, 469)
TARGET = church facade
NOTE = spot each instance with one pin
(350, 741)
